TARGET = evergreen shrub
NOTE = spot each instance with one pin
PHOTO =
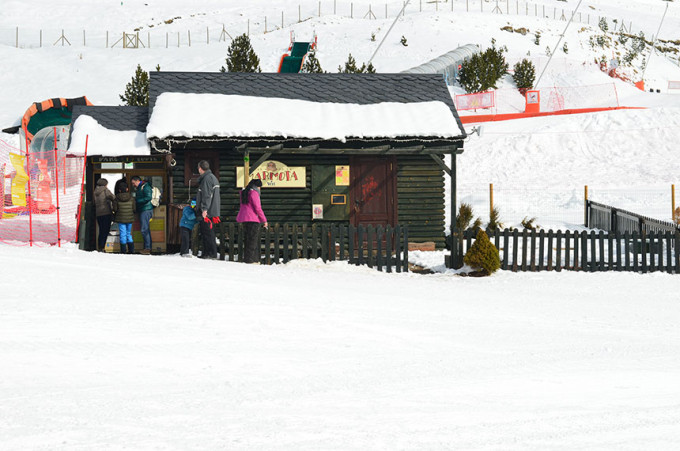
(483, 255)
(482, 71)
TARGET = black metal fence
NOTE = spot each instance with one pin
(612, 219)
(382, 248)
(531, 250)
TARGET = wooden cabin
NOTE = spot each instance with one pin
(392, 172)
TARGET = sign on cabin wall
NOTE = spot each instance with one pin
(275, 174)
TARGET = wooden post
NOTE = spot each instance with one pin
(107, 38)
(189, 35)
(490, 199)
(673, 202)
(299, 15)
(84, 44)
(585, 207)
(246, 168)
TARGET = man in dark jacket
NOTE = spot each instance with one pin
(208, 204)
(144, 209)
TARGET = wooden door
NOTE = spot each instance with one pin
(373, 191)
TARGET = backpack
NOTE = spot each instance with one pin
(155, 196)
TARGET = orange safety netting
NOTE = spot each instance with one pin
(39, 196)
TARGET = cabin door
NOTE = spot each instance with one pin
(373, 193)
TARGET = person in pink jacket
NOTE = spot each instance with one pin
(251, 215)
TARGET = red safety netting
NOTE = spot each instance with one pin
(40, 195)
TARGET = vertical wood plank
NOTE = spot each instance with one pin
(388, 248)
(232, 242)
(397, 248)
(515, 250)
(541, 251)
(240, 242)
(617, 239)
(294, 242)
(602, 253)
(576, 261)
(558, 258)
(267, 246)
(285, 246)
(223, 239)
(342, 233)
(669, 258)
(506, 245)
(549, 250)
(351, 237)
(331, 244)
(610, 252)
(277, 240)
(315, 240)
(636, 249)
(380, 234)
(593, 251)
(584, 252)
(324, 243)
(305, 242)
(533, 250)
(525, 243)
(643, 251)
(360, 244)
(626, 245)
(369, 244)
(405, 261)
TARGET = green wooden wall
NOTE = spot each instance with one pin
(420, 188)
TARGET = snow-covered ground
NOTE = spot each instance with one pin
(131, 352)
(112, 352)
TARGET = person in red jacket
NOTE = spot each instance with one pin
(251, 215)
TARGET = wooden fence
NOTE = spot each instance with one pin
(383, 248)
(612, 219)
(531, 250)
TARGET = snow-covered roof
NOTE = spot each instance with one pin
(202, 115)
(104, 141)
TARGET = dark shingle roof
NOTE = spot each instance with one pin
(338, 88)
(118, 118)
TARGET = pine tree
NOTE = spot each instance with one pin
(241, 56)
(137, 91)
(524, 76)
(312, 65)
(482, 71)
(351, 67)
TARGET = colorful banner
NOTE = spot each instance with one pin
(476, 101)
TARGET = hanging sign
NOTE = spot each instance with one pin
(275, 174)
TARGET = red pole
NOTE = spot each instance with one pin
(30, 199)
(56, 176)
(82, 187)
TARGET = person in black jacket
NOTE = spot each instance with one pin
(208, 208)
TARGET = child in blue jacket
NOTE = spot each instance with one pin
(186, 225)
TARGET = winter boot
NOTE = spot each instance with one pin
(131, 247)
